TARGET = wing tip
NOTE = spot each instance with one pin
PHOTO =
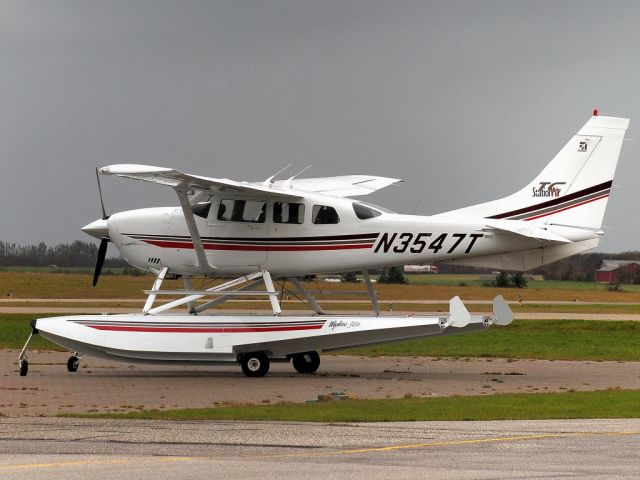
(131, 168)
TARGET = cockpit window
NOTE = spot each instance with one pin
(363, 212)
(201, 209)
(250, 211)
(292, 213)
(323, 215)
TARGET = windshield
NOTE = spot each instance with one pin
(201, 209)
(364, 212)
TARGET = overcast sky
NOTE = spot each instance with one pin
(467, 101)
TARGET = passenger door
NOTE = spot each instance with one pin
(239, 232)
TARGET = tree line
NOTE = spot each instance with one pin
(583, 267)
(74, 254)
(580, 268)
(83, 254)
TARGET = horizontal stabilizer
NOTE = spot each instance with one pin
(526, 259)
(526, 229)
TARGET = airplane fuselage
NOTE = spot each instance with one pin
(353, 236)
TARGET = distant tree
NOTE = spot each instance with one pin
(393, 275)
(501, 280)
(133, 271)
(349, 277)
(518, 280)
(74, 254)
(508, 280)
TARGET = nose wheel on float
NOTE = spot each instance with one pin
(23, 366)
(73, 363)
(23, 363)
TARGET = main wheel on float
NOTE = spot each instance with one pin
(254, 364)
(307, 362)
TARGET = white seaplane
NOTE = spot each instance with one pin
(289, 228)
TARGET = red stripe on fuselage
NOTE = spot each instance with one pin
(124, 328)
(258, 248)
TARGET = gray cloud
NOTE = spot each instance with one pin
(465, 100)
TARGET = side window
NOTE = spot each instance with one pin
(249, 211)
(322, 215)
(292, 213)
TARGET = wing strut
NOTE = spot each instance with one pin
(203, 263)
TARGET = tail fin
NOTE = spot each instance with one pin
(573, 188)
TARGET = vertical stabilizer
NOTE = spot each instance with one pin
(573, 188)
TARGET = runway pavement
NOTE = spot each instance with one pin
(45, 448)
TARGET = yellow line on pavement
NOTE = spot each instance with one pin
(354, 451)
(71, 463)
(388, 448)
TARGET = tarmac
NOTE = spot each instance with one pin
(103, 386)
(45, 448)
(34, 444)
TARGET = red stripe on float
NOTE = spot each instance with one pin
(118, 328)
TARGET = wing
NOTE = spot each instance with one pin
(175, 178)
(181, 183)
(342, 186)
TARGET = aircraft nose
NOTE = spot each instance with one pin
(97, 229)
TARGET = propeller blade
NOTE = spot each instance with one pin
(102, 252)
(104, 213)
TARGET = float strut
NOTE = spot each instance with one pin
(275, 305)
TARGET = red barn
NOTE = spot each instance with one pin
(618, 271)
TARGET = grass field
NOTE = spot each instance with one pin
(536, 283)
(538, 339)
(14, 330)
(402, 306)
(26, 285)
(599, 404)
